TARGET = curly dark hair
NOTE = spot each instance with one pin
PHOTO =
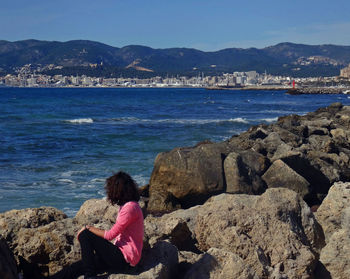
(121, 188)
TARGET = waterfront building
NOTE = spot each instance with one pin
(345, 73)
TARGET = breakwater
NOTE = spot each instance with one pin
(318, 90)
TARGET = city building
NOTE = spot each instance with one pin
(345, 73)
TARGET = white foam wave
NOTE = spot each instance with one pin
(239, 120)
(97, 180)
(81, 121)
(66, 181)
(179, 121)
(273, 119)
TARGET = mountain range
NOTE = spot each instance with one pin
(296, 60)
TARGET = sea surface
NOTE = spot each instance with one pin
(57, 146)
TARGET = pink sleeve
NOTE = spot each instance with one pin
(125, 217)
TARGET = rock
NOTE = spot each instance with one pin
(281, 175)
(51, 246)
(331, 211)
(160, 261)
(177, 227)
(217, 264)
(185, 177)
(287, 137)
(242, 172)
(94, 210)
(335, 255)
(14, 222)
(8, 267)
(271, 143)
(273, 233)
(11, 222)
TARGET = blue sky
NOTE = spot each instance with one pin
(205, 25)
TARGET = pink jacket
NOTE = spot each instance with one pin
(128, 232)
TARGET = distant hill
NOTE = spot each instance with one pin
(281, 59)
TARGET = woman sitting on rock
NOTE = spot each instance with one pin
(97, 253)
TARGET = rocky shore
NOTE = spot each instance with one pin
(272, 202)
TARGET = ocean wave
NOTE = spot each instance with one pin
(273, 119)
(140, 179)
(239, 120)
(179, 121)
(80, 121)
(66, 181)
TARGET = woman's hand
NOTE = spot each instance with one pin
(83, 228)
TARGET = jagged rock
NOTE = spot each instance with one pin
(187, 176)
(218, 264)
(11, 222)
(94, 210)
(177, 226)
(287, 136)
(51, 246)
(320, 162)
(335, 255)
(242, 172)
(8, 267)
(271, 143)
(281, 175)
(331, 211)
(14, 222)
(273, 233)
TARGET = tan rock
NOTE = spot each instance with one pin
(185, 177)
(273, 233)
(220, 264)
(331, 211)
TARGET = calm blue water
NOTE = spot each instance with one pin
(57, 146)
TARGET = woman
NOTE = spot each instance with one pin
(98, 254)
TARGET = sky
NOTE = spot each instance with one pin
(207, 25)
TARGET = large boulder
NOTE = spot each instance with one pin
(243, 172)
(94, 210)
(8, 267)
(184, 177)
(275, 233)
(14, 222)
(335, 255)
(49, 247)
(220, 264)
(281, 175)
(331, 211)
(11, 222)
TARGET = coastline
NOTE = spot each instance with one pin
(311, 151)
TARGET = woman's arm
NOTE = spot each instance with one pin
(96, 231)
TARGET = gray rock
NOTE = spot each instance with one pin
(281, 175)
(242, 172)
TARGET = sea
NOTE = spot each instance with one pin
(58, 145)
